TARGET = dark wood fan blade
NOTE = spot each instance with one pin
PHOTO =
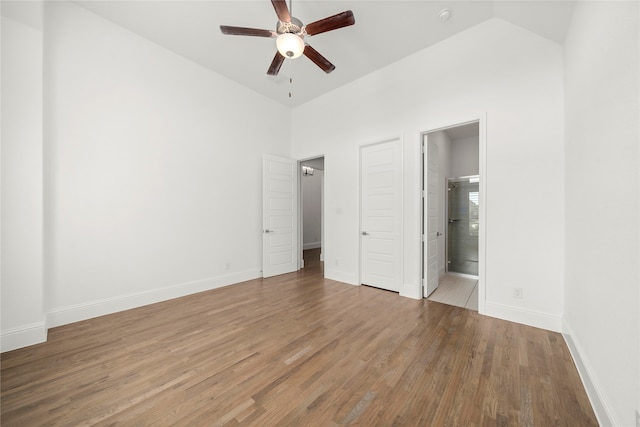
(281, 10)
(318, 59)
(334, 22)
(274, 68)
(242, 31)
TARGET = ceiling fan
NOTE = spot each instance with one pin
(289, 35)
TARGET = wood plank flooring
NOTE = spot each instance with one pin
(294, 350)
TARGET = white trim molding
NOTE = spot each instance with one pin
(589, 381)
(409, 290)
(526, 317)
(76, 313)
(23, 336)
(341, 276)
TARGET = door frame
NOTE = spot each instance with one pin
(427, 233)
(481, 119)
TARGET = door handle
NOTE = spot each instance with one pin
(364, 233)
(268, 231)
(438, 234)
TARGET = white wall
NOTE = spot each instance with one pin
(153, 175)
(465, 157)
(602, 197)
(22, 288)
(312, 210)
(497, 69)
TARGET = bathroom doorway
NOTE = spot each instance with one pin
(453, 215)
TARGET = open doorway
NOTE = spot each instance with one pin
(312, 216)
(452, 215)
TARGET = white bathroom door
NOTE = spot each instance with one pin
(430, 208)
(279, 215)
(381, 222)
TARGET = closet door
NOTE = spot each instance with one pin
(279, 215)
(381, 215)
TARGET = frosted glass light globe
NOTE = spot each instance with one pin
(290, 45)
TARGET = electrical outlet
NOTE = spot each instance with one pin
(227, 266)
(517, 293)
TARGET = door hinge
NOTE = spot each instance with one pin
(423, 237)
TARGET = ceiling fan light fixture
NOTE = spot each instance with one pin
(290, 45)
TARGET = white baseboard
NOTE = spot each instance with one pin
(340, 276)
(410, 290)
(23, 336)
(313, 245)
(526, 317)
(76, 313)
(589, 381)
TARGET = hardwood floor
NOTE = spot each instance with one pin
(294, 350)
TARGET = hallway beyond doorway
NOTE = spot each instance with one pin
(312, 260)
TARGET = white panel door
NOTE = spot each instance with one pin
(430, 208)
(381, 222)
(279, 215)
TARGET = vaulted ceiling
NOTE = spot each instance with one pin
(384, 32)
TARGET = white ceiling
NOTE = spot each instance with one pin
(384, 32)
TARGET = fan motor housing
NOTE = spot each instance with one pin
(295, 26)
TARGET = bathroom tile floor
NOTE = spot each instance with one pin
(457, 290)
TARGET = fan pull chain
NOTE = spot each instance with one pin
(290, 82)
